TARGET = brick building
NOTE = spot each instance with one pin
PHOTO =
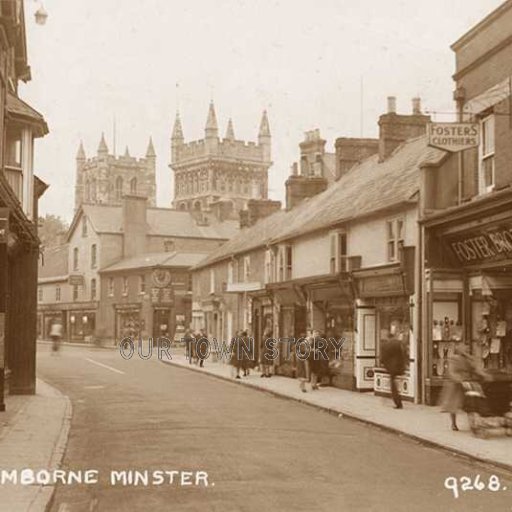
(466, 215)
(219, 174)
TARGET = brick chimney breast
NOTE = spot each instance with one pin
(394, 129)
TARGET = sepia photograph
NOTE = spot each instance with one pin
(255, 256)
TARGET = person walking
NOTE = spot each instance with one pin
(462, 367)
(236, 352)
(202, 341)
(315, 360)
(56, 335)
(266, 353)
(302, 364)
(189, 340)
(393, 359)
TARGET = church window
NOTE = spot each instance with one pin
(93, 190)
(133, 186)
(119, 187)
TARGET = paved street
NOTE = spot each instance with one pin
(260, 452)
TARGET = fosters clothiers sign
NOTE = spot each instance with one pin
(453, 136)
(493, 245)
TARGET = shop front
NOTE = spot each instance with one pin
(384, 313)
(128, 321)
(330, 302)
(81, 322)
(262, 319)
(469, 296)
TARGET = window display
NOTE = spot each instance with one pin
(447, 330)
(492, 330)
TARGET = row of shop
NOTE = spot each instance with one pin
(365, 308)
(430, 303)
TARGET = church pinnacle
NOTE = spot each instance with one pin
(80, 155)
(177, 131)
(211, 128)
(102, 148)
(230, 132)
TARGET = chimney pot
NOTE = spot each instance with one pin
(391, 104)
(416, 106)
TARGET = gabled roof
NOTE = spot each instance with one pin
(366, 189)
(156, 259)
(161, 222)
(54, 262)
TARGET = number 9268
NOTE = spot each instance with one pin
(466, 483)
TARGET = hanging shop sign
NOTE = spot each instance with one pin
(161, 278)
(453, 137)
(483, 246)
(76, 280)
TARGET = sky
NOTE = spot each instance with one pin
(328, 64)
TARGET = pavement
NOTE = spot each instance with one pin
(33, 434)
(420, 422)
(259, 451)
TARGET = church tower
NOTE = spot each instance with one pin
(219, 173)
(106, 178)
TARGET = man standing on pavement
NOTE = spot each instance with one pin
(56, 335)
(393, 359)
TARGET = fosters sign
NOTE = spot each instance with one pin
(453, 136)
(483, 247)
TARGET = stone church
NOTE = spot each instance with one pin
(106, 178)
(219, 175)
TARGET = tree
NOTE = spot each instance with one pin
(50, 230)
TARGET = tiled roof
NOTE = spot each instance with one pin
(162, 222)
(55, 261)
(366, 189)
(166, 259)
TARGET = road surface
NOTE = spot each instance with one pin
(258, 452)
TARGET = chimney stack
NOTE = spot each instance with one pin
(391, 104)
(258, 209)
(394, 129)
(135, 225)
(416, 106)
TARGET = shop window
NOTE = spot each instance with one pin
(110, 286)
(57, 293)
(75, 258)
(40, 294)
(93, 289)
(84, 226)
(93, 255)
(125, 286)
(142, 284)
(447, 330)
(486, 178)
(75, 292)
(395, 238)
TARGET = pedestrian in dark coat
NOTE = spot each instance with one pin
(189, 341)
(236, 353)
(266, 353)
(393, 359)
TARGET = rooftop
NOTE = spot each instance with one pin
(156, 259)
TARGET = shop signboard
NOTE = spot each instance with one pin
(76, 280)
(483, 246)
(453, 137)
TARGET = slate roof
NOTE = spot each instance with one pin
(366, 189)
(162, 222)
(149, 260)
(55, 261)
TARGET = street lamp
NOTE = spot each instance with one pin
(41, 15)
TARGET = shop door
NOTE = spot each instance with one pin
(366, 342)
(162, 327)
(256, 322)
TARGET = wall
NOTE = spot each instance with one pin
(311, 255)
